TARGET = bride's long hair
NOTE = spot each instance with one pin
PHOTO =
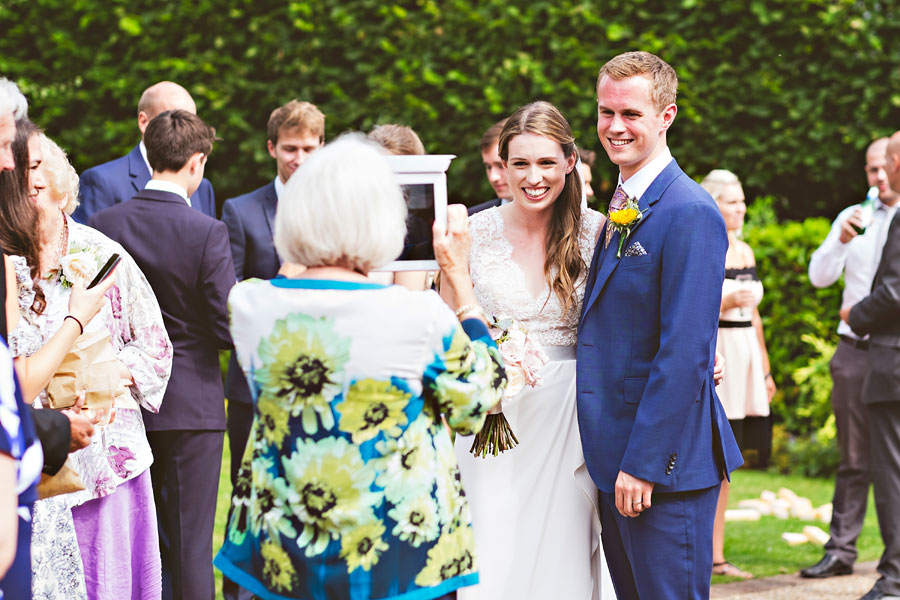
(563, 264)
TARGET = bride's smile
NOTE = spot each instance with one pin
(536, 169)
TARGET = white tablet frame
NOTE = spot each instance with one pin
(422, 169)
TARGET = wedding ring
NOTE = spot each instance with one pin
(638, 503)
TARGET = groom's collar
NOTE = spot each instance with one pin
(638, 183)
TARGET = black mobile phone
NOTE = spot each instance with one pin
(105, 270)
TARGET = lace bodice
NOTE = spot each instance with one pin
(500, 283)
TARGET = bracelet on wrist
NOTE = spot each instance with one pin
(473, 310)
(80, 326)
(769, 374)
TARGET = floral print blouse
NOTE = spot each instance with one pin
(349, 487)
(119, 451)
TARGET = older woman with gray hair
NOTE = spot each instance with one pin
(100, 542)
(349, 487)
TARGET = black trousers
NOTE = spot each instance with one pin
(851, 485)
(884, 424)
(185, 474)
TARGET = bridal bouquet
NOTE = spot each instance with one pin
(522, 359)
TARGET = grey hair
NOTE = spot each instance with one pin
(12, 100)
(717, 180)
(342, 207)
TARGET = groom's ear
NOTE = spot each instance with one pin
(668, 116)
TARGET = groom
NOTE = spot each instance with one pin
(655, 437)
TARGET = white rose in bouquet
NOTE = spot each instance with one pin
(515, 381)
(512, 351)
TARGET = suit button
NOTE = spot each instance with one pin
(668, 470)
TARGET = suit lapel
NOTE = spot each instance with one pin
(270, 204)
(137, 169)
(607, 256)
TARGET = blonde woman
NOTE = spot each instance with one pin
(109, 527)
(749, 386)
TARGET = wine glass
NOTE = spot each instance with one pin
(745, 282)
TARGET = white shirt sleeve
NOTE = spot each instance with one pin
(827, 263)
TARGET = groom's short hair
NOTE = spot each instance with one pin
(663, 81)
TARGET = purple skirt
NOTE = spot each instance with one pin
(119, 543)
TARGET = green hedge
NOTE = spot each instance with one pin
(788, 92)
(800, 325)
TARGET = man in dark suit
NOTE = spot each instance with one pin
(878, 315)
(118, 180)
(294, 131)
(186, 259)
(493, 168)
(655, 437)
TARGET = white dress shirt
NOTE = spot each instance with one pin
(279, 189)
(638, 183)
(857, 259)
(168, 186)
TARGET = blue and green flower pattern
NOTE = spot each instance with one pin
(349, 487)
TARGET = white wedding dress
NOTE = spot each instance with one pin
(534, 508)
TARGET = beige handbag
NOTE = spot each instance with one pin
(65, 481)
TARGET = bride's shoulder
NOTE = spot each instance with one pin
(591, 222)
(485, 222)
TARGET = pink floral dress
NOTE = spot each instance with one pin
(118, 452)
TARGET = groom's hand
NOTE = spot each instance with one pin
(632, 494)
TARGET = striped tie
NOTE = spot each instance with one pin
(616, 203)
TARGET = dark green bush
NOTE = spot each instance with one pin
(789, 92)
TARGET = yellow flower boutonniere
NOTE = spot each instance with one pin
(624, 219)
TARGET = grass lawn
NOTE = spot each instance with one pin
(755, 546)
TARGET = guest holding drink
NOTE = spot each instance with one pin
(749, 386)
(100, 542)
(349, 487)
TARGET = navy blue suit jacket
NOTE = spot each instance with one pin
(646, 346)
(186, 259)
(484, 206)
(118, 180)
(251, 226)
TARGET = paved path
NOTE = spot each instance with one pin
(791, 587)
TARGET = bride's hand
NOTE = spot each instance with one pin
(719, 369)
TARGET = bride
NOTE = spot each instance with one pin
(534, 511)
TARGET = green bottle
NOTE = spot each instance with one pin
(867, 208)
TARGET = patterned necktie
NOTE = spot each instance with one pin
(616, 203)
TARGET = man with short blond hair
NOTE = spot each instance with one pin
(118, 180)
(655, 437)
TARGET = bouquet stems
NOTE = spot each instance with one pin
(495, 437)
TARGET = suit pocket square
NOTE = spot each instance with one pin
(635, 250)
